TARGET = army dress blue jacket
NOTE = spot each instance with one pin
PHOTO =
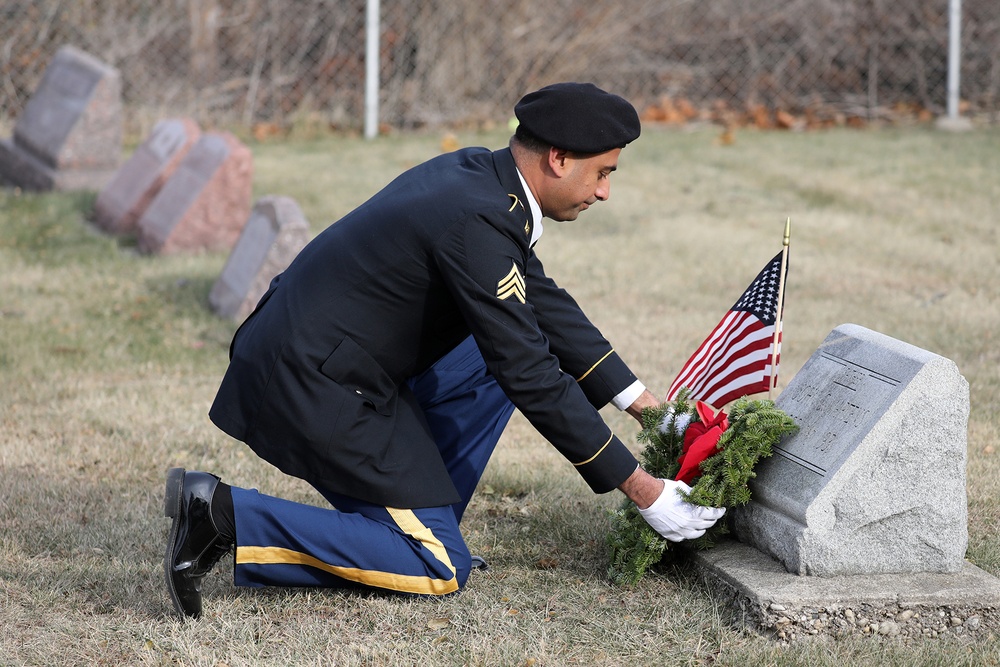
(317, 378)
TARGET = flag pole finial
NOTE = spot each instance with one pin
(788, 232)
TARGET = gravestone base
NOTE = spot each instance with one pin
(21, 169)
(760, 595)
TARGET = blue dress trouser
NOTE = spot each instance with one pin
(421, 551)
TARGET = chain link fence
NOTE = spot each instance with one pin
(275, 64)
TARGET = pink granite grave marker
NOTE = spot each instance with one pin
(205, 203)
(133, 188)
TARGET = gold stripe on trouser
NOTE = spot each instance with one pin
(405, 583)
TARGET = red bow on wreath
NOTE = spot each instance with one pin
(701, 440)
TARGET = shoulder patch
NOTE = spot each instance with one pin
(512, 285)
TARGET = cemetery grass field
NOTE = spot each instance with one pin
(109, 361)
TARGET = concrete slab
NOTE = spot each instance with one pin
(957, 124)
(764, 597)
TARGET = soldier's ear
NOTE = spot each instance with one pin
(557, 161)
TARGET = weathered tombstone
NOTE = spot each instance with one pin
(874, 481)
(205, 203)
(69, 136)
(275, 233)
(134, 186)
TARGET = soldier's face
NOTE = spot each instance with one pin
(582, 181)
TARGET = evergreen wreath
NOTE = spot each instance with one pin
(754, 427)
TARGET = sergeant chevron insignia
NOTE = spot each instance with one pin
(511, 285)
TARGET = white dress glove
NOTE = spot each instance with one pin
(676, 519)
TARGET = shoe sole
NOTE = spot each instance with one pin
(172, 509)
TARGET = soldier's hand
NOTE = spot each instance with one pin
(676, 519)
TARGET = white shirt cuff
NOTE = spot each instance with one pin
(628, 396)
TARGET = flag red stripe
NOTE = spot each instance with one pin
(745, 364)
(735, 360)
(755, 338)
(748, 379)
(733, 327)
(749, 332)
(704, 351)
(754, 373)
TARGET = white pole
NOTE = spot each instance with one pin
(781, 300)
(372, 30)
(954, 55)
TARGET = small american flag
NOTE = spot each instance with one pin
(735, 359)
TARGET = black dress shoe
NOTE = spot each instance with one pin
(194, 545)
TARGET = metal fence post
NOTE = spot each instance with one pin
(372, 29)
(954, 55)
(952, 121)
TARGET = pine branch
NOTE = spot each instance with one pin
(755, 426)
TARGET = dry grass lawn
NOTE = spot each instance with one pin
(109, 361)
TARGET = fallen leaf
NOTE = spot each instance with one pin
(785, 120)
(439, 623)
(449, 143)
(263, 131)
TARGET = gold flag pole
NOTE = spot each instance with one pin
(781, 298)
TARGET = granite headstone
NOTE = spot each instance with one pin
(134, 186)
(874, 480)
(275, 233)
(69, 136)
(205, 203)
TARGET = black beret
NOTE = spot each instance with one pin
(578, 117)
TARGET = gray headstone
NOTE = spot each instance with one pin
(275, 233)
(69, 136)
(874, 481)
(205, 203)
(134, 186)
